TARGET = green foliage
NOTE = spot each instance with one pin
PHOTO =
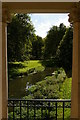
(66, 89)
(58, 48)
(37, 45)
(57, 86)
(23, 44)
(20, 31)
(50, 87)
(54, 87)
(64, 51)
(53, 39)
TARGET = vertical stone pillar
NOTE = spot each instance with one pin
(74, 17)
(0, 60)
(3, 67)
(4, 71)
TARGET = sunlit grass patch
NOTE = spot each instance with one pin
(24, 68)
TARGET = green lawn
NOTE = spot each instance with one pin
(24, 68)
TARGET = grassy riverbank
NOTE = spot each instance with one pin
(57, 86)
(24, 68)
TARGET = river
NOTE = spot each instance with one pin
(17, 88)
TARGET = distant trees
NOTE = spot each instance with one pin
(58, 46)
(20, 30)
(24, 44)
(64, 51)
(37, 45)
(53, 39)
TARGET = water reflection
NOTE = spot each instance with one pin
(18, 86)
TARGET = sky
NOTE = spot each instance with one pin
(43, 22)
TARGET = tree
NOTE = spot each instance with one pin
(20, 31)
(52, 40)
(37, 45)
(64, 51)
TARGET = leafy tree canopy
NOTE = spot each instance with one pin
(37, 45)
(52, 40)
(20, 31)
(64, 51)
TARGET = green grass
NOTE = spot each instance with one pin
(24, 68)
(54, 87)
(66, 89)
(31, 64)
(57, 86)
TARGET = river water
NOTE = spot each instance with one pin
(17, 88)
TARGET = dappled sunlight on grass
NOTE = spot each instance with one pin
(24, 68)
